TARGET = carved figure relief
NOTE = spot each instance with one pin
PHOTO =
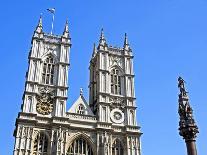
(45, 101)
(116, 102)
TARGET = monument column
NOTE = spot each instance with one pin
(187, 126)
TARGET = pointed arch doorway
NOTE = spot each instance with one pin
(80, 146)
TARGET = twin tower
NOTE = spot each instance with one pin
(104, 126)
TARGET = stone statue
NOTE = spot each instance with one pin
(181, 85)
(106, 142)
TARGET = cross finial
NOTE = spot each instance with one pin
(81, 91)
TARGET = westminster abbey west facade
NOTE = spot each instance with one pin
(104, 126)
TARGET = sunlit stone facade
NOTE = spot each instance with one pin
(105, 126)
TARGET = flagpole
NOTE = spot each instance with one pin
(53, 18)
(52, 11)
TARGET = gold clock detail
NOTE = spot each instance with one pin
(44, 101)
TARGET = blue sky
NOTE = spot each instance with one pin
(168, 38)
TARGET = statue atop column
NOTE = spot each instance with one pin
(187, 126)
(181, 85)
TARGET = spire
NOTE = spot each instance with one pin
(39, 26)
(94, 50)
(102, 40)
(126, 44)
(187, 126)
(66, 30)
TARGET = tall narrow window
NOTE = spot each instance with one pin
(80, 109)
(104, 60)
(104, 82)
(40, 144)
(115, 82)
(48, 71)
(104, 114)
(130, 90)
(131, 117)
(29, 107)
(117, 148)
(61, 108)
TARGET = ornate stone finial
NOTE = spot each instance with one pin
(40, 21)
(66, 30)
(81, 91)
(102, 35)
(94, 50)
(126, 44)
(102, 40)
(39, 25)
(181, 86)
(125, 39)
(187, 126)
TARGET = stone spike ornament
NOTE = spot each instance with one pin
(66, 30)
(102, 41)
(187, 126)
(39, 25)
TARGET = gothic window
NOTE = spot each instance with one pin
(80, 147)
(117, 148)
(40, 144)
(48, 70)
(115, 82)
(81, 109)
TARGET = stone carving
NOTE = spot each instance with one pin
(45, 101)
(181, 86)
(116, 102)
(187, 126)
(115, 61)
(117, 116)
(105, 142)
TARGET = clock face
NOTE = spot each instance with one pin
(117, 116)
(44, 108)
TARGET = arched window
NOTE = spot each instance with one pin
(48, 71)
(115, 82)
(80, 109)
(40, 144)
(80, 147)
(117, 148)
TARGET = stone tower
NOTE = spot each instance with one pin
(112, 96)
(45, 92)
(105, 126)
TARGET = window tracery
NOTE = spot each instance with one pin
(117, 148)
(115, 82)
(40, 144)
(48, 70)
(80, 147)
